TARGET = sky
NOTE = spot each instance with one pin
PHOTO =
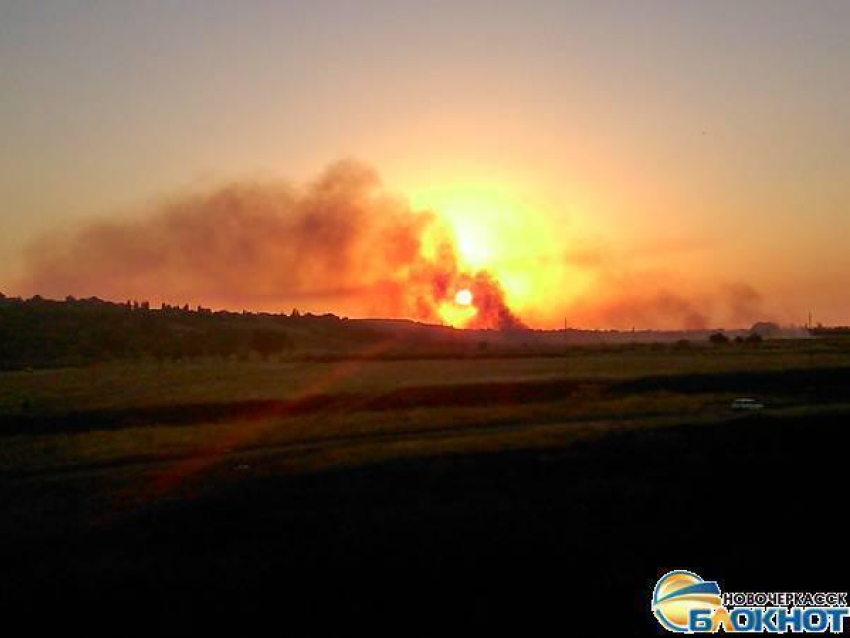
(612, 164)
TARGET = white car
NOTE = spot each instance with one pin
(746, 404)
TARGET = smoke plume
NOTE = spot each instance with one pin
(638, 287)
(342, 243)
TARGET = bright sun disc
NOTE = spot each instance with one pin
(463, 297)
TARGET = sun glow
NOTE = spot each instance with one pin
(457, 315)
(507, 233)
(463, 297)
(461, 312)
(474, 243)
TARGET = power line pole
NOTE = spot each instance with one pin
(566, 349)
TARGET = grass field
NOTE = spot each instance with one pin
(140, 383)
(451, 478)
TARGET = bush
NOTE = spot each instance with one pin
(718, 339)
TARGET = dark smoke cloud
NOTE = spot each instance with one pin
(636, 288)
(341, 244)
(744, 303)
(647, 306)
(656, 309)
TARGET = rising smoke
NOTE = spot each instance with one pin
(638, 287)
(341, 243)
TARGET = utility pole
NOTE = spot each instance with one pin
(565, 335)
(810, 341)
(566, 349)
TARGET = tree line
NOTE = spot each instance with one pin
(38, 332)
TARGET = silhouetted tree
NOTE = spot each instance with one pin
(754, 339)
(718, 339)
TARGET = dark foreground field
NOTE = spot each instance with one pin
(544, 518)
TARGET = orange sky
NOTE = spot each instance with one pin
(610, 163)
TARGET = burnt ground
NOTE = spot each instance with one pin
(559, 540)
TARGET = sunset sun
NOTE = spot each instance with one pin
(463, 297)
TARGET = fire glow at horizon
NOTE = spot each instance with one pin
(341, 242)
(344, 244)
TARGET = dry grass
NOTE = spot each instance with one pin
(136, 384)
